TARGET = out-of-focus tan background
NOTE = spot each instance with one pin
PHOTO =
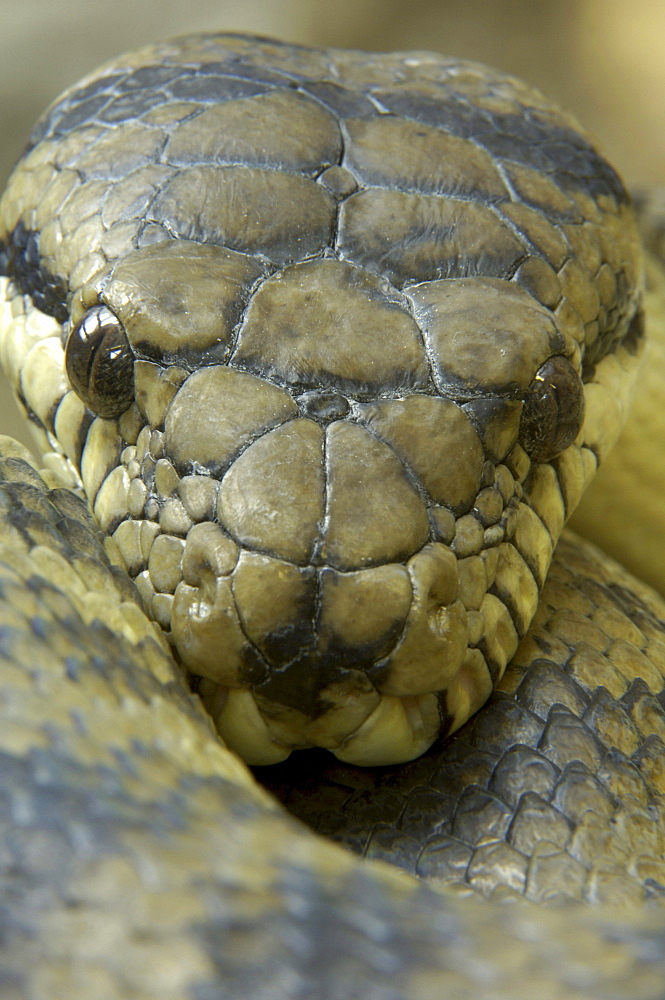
(604, 59)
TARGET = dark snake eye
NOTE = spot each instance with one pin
(553, 410)
(100, 363)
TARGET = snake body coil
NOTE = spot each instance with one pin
(333, 343)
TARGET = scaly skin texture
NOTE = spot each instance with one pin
(140, 856)
(141, 859)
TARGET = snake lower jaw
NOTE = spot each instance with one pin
(395, 730)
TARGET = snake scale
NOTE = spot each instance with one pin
(332, 343)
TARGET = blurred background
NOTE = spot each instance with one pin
(603, 59)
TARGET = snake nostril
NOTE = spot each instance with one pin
(323, 405)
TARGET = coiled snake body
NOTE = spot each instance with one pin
(332, 343)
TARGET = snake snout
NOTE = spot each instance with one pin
(319, 603)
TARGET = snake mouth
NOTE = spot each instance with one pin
(365, 663)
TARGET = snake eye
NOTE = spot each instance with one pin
(553, 410)
(100, 363)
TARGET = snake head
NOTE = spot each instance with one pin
(333, 363)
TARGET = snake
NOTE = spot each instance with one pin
(299, 696)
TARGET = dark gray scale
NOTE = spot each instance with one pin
(338, 306)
